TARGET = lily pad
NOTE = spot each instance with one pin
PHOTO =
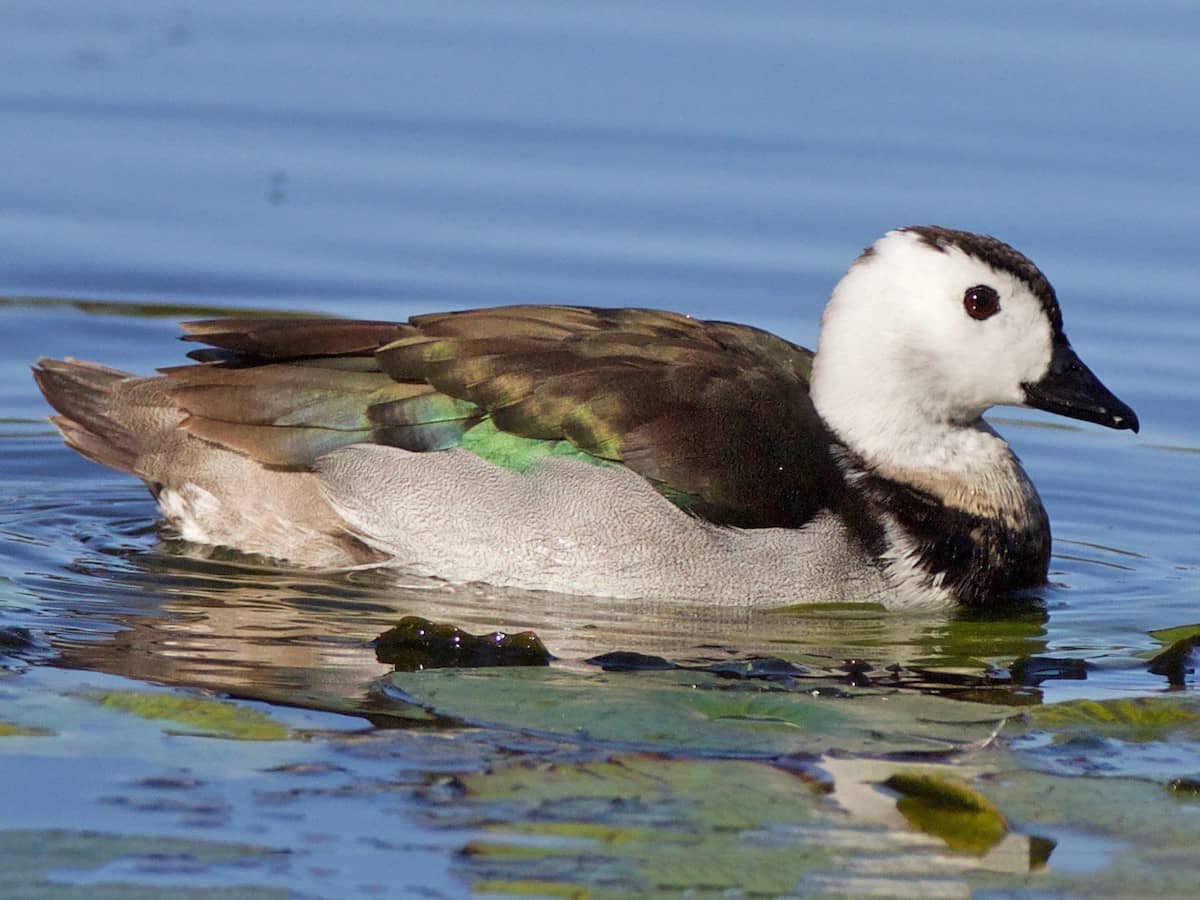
(641, 823)
(532, 889)
(10, 729)
(207, 717)
(1178, 660)
(1116, 837)
(1188, 788)
(1178, 633)
(41, 865)
(1132, 719)
(416, 643)
(1033, 670)
(697, 711)
(949, 809)
(628, 661)
(746, 793)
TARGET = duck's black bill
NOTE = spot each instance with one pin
(1070, 389)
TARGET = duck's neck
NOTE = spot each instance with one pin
(959, 513)
(905, 434)
(968, 468)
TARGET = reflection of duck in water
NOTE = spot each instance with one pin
(626, 453)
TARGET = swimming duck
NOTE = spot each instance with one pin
(624, 452)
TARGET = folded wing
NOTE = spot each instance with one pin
(717, 416)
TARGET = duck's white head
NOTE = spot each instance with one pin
(930, 328)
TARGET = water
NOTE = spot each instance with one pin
(173, 162)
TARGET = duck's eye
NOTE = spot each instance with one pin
(981, 302)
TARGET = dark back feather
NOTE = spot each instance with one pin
(716, 415)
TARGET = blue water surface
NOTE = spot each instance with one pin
(171, 161)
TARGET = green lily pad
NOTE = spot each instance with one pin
(699, 711)
(1177, 661)
(532, 889)
(641, 822)
(32, 859)
(10, 729)
(949, 809)
(1133, 719)
(208, 717)
(743, 793)
(1116, 837)
(1187, 788)
(1179, 633)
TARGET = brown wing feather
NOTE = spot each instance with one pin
(717, 415)
(290, 338)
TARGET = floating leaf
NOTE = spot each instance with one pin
(648, 824)
(9, 729)
(1117, 836)
(693, 710)
(1135, 719)
(1179, 633)
(1033, 670)
(628, 661)
(209, 717)
(947, 808)
(1177, 661)
(721, 793)
(416, 643)
(1185, 787)
(768, 668)
(33, 859)
(532, 889)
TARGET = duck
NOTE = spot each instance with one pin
(625, 453)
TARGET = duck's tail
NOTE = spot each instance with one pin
(84, 395)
